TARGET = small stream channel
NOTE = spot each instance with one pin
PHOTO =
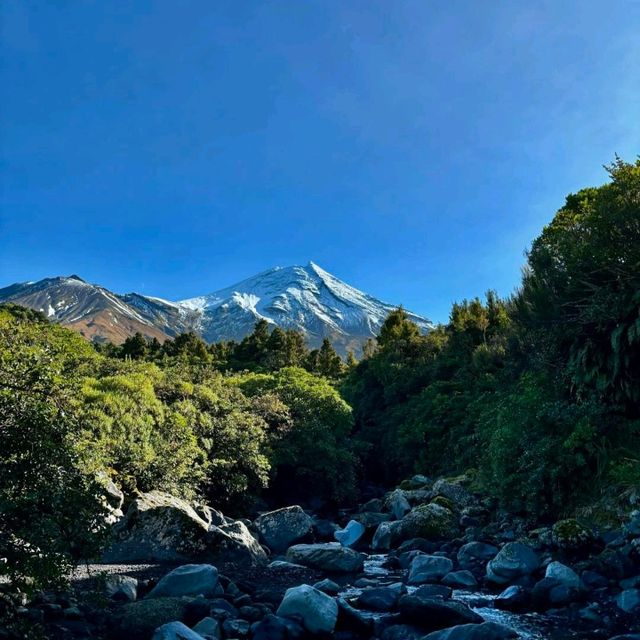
(529, 626)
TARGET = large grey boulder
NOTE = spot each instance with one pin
(188, 580)
(453, 491)
(159, 527)
(348, 536)
(513, 561)
(426, 568)
(462, 579)
(475, 554)
(563, 575)
(281, 528)
(385, 535)
(273, 627)
(380, 598)
(112, 494)
(432, 613)
(234, 543)
(397, 504)
(208, 628)
(175, 631)
(428, 521)
(329, 556)
(119, 587)
(514, 598)
(371, 519)
(317, 611)
(483, 631)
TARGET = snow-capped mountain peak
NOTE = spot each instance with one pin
(305, 298)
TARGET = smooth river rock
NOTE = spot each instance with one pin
(188, 580)
(281, 528)
(513, 561)
(329, 556)
(317, 611)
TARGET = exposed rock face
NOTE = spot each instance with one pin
(281, 528)
(513, 561)
(317, 611)
(188, 580)
(330, 557)
(159, 527)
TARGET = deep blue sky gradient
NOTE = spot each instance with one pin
(412, 148)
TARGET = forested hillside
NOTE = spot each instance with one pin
(536, 397)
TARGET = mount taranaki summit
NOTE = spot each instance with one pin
(306, 298)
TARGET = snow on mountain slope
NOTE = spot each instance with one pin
(307, 298)
(95, 312)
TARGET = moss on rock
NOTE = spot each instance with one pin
(431, 521)
(570, 535)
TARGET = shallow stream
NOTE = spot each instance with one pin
(529, 626)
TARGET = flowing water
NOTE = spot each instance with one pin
(529, 626)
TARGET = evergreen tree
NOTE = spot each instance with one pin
(329, 363)
(135, 347)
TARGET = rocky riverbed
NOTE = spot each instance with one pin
(430, 560)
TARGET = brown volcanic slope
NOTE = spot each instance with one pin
(95, 312)
(105, 326)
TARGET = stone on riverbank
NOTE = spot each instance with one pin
(483, 631)
(158, 527)
(175, 631)
(281, 528)
(476, 554)
(433, 614)
(428, 569)
(329, 556)
(141, 618)
(348, 536)
(513, 561)
(317, 611)
(234, 542)
(188, 580)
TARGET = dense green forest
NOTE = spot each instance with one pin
(536, 397)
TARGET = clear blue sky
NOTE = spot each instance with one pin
(412, 148)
